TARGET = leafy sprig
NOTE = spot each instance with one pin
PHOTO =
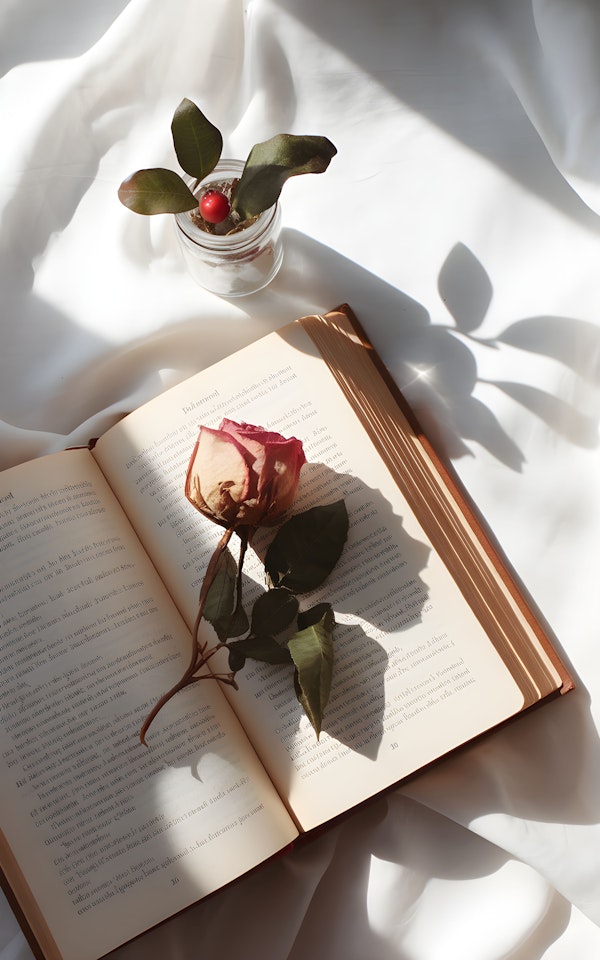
(301, 556)
(198, 146)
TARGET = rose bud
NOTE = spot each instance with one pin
(243, 475)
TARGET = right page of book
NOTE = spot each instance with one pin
(416, 673)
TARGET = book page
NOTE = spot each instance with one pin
(415, 674)
(111, 836)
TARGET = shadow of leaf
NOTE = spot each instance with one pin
(465, 288)
(564, 419)
(575, 343)
(475, 421)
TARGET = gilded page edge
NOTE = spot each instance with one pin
(343, 321)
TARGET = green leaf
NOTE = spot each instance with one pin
(156, 191)
(221, 595)
(236, 658)
(198, 143)
(274, 611)
(306, 548)
(264, 648)
(309, 618)
(271, 163)
(312, 653)
(239, 622)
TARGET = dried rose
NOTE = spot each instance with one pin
(243, 475)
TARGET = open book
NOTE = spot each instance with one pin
(102, 558)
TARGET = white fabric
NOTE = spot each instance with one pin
(460, 219)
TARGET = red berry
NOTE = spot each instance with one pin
(214, 206)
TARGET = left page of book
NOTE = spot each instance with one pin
(101, 837)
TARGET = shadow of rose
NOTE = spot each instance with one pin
(377, 592)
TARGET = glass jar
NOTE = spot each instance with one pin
(234, 264)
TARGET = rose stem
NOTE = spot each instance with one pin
(198, 652)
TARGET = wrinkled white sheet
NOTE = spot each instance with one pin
(461, 220)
